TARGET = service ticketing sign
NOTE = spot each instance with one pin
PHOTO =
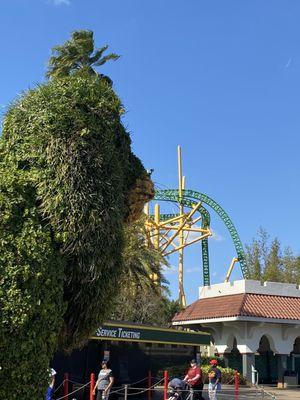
(140, 333)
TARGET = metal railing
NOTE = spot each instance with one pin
(157, 392)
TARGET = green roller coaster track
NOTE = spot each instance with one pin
(189, 199)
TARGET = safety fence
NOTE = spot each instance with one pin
(154, 389)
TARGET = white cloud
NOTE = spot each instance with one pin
(190, 270)
(171, 270)
(216, 236)
(61, 2)
(287, 65)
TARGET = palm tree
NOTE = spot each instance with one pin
(142, 264)
(143, 296)
(78, 55)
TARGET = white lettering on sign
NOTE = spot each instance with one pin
(103, 332)
(117, 333)
(128, 334)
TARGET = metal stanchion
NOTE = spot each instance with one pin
(149, 396)
(125, 392)
(66, 386)
(236, 385)
(166, 381)
(92, 385)
(191, 393)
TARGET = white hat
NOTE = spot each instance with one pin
(52, 372)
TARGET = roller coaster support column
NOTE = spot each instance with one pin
(234, 260)
(157, 221)
(181, 182)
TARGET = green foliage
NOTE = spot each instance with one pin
(68, 183)
(254, 261)
(268, 262)
(141, 261)
(143, 299)
(78, 55)
(31, 287)
(227, 375)
(273, 269)
(144, 307)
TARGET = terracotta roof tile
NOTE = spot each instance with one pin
(278, 307)
(214, 307)
(250, 305)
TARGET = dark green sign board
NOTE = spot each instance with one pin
(140, 333)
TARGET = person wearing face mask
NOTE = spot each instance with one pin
(194, 379)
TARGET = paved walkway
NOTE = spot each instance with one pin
(282, 394)
(245, 393)
(227, 393)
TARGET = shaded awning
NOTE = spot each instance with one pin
(129, 332)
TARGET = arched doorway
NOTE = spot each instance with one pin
(295, 358)
(232, 356)
(265, 361)
(296, 347)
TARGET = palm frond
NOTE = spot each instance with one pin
(77, 54)
(104, 59)
(98, 54)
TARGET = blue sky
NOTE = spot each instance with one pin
(221, 78)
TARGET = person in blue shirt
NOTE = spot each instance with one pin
(50, 390)
(214, 377)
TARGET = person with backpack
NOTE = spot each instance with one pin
(214, 377)
(194, 379)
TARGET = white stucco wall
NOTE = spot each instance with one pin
(248, 335)
(248, 331)
(249, 286)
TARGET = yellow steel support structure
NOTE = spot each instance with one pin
(181, 182)
(172, 235)
(234, 260)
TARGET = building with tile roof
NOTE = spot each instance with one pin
(255, 326)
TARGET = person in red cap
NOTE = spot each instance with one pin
(214, 377)
(194, 379)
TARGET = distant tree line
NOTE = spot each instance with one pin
(268, 261)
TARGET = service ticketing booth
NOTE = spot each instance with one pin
(132, 350)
